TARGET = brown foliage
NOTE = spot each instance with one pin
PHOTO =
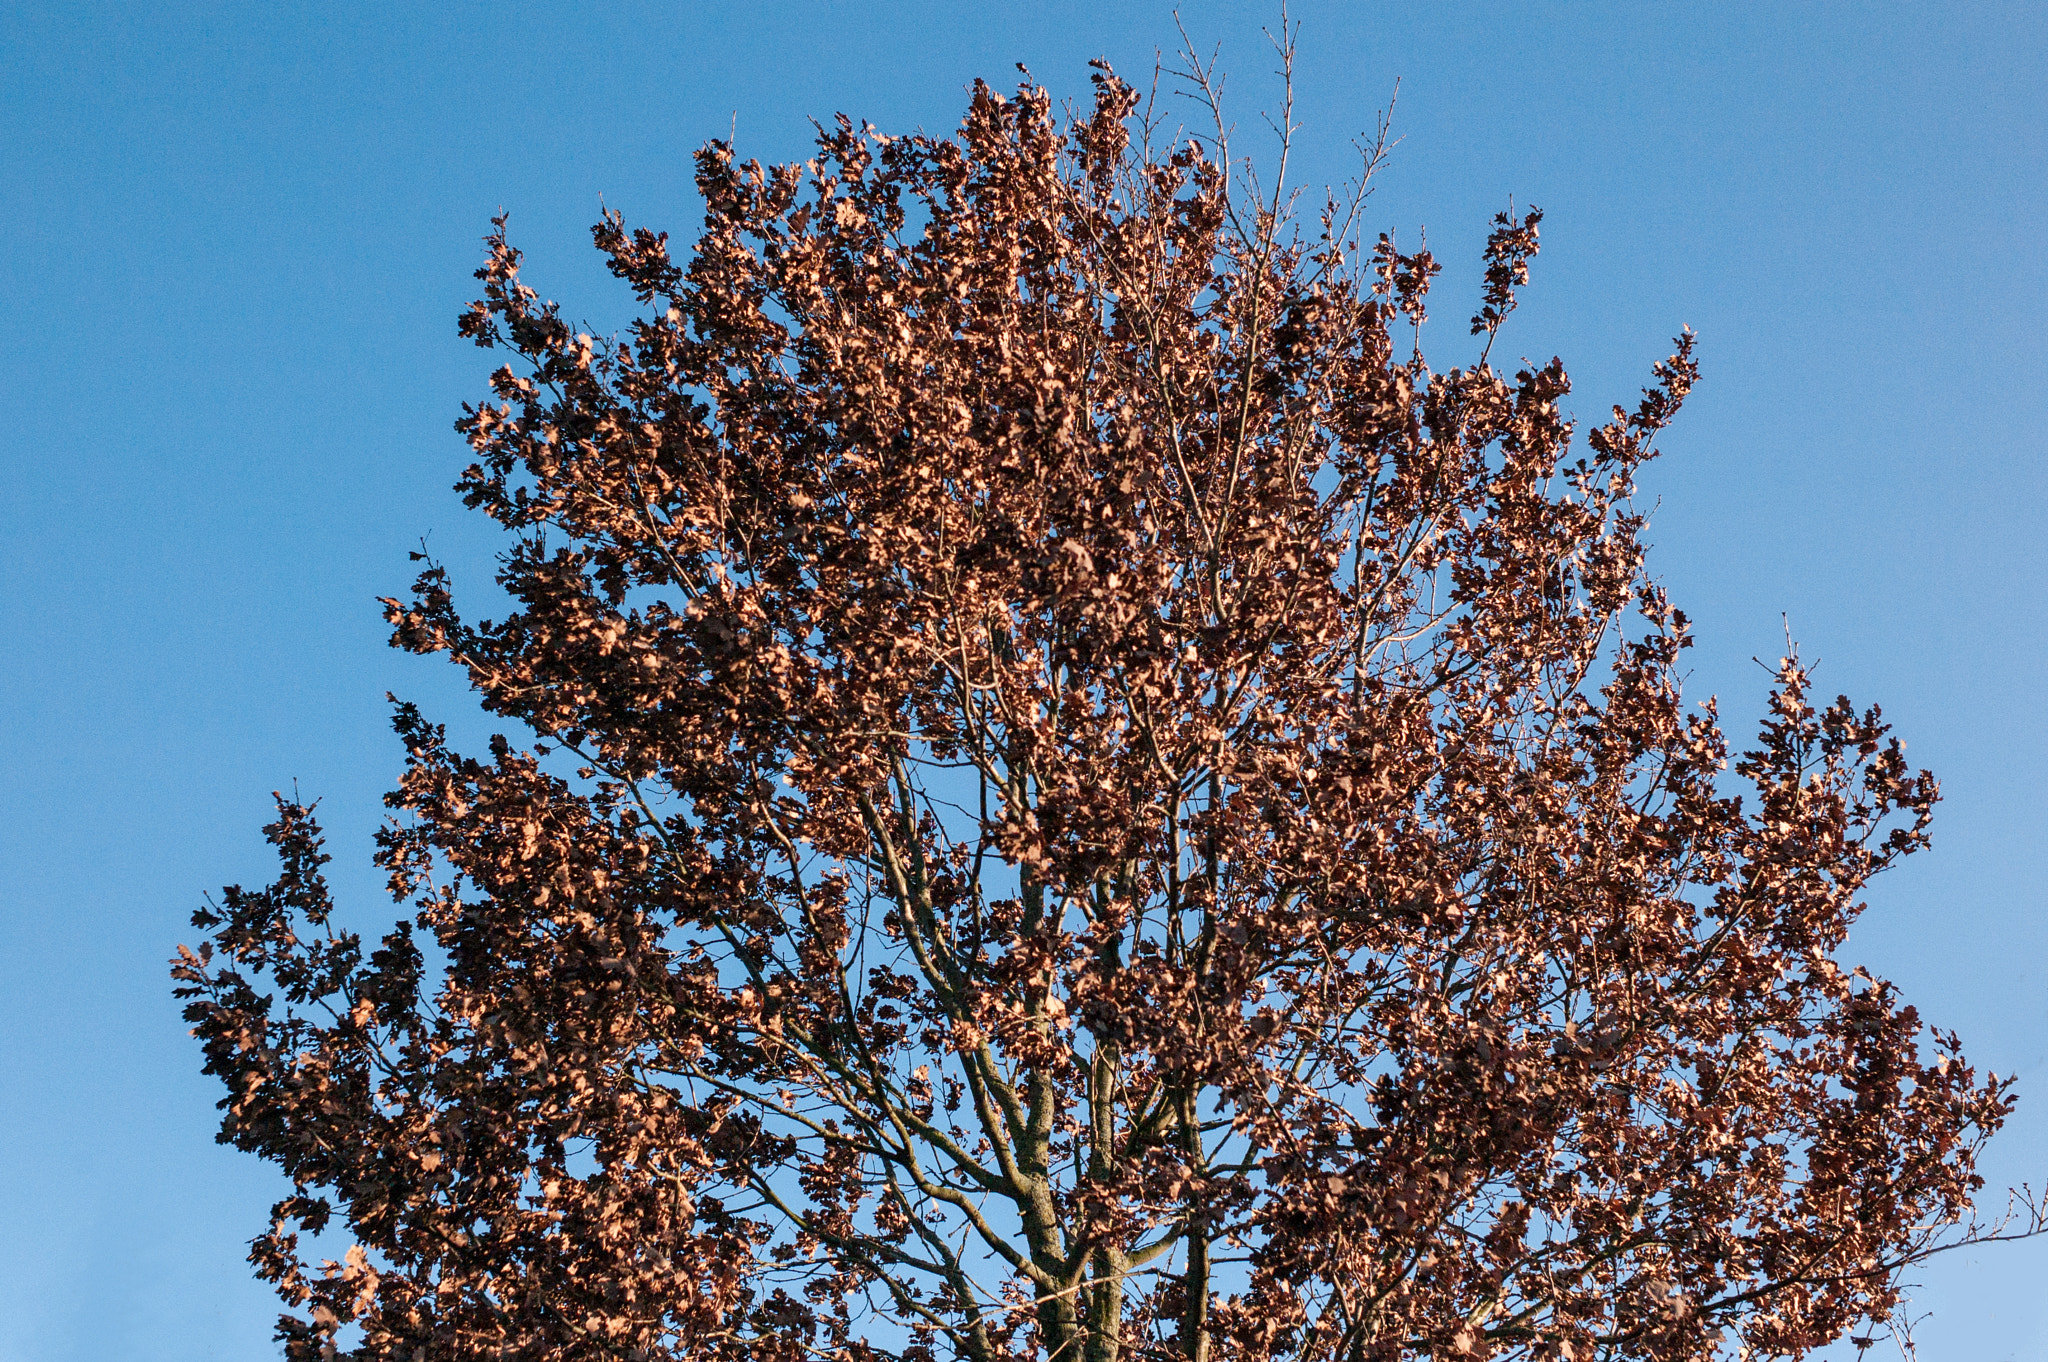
(1083, 799)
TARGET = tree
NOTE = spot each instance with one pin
(1081, 800)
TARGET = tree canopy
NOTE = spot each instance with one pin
(1074, 798)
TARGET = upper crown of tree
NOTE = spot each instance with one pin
(1081, 800)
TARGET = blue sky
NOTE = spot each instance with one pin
(234, 240)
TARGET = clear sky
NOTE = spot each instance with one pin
(234, 240)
